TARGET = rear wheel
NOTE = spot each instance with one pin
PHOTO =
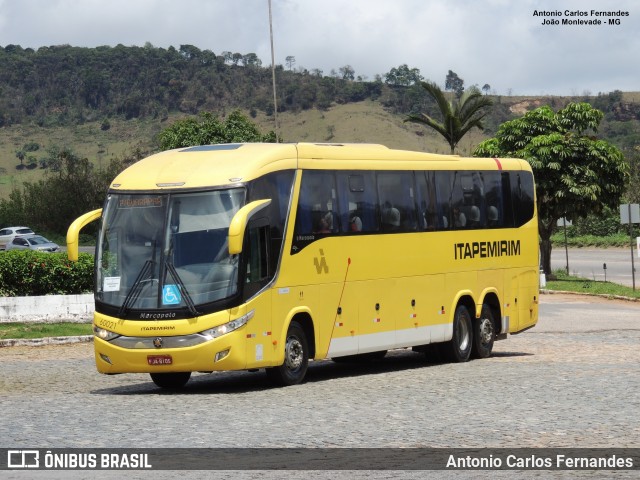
(458, 349)
(296, 358)
(483, 333)
(171, 380)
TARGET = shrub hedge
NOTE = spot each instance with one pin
(29, 273)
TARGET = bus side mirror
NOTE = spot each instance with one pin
(239, 224)
(73, 233)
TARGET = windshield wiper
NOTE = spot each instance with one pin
(137, 287)
(185, 293)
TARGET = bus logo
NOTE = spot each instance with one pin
(321, 264)
(23, 459)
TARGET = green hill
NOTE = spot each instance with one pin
(105, 102)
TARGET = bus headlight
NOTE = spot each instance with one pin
(228, 327)
(103, 334)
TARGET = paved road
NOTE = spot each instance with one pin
(571, 381)
(588, 263)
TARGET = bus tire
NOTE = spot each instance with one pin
(296, 359)
(171, 380)
(483, 333)
(458, 349)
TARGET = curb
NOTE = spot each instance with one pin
(586, 294)
(41, 342)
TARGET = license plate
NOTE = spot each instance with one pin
(159, 359)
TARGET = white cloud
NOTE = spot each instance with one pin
(499, 42)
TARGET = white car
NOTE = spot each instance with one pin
(9, 233)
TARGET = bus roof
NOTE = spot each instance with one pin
(229, 164)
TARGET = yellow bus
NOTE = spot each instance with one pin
(250, 256)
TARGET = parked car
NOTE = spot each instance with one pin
(33, 242)
(8, 234)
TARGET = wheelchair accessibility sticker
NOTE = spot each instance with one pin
(171, 295)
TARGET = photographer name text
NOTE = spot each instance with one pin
(581, 17)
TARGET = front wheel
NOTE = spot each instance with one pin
(296, 358)
(458, 349)
(171, 380)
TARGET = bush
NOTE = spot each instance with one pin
(29, 273)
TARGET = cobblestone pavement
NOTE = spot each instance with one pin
(572, 381)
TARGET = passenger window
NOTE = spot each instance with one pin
(467, 201)
(317, 204)
(523, 196)
(357, 197)
(493, 199)
(443, 194)
(427, 206)
(397, 201)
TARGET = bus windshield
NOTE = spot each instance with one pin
(166, 252)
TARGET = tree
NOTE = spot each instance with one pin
(455, 83)
(633, 190)
(576, 174)
(347, 72)
(251, 60)
(458, 117)
(71, 187)
(21, 156)
(207, 129)
(485, 88)
(403, 75)
(290, 61)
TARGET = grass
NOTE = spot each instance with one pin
(17, 330)
(614, 240)
(569, 283)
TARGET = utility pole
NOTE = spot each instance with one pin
(273, 76)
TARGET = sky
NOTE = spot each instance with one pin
(502, 43)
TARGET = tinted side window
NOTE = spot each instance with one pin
(467, 200)
(397, 201)
(443, 196)
(493, 204)
(428, 218)
(277, 187)
(317, 204)
(523, 196)
(358, 200)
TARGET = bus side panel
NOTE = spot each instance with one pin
(528, 296)
(259, 348)
(342, 337)
(377, 317)
(489, 281)
(458, 285)
(320, 302)
(418, 312)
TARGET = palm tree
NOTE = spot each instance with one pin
(459, 116)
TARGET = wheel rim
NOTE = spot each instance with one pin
(486, 331)
(294, 353)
